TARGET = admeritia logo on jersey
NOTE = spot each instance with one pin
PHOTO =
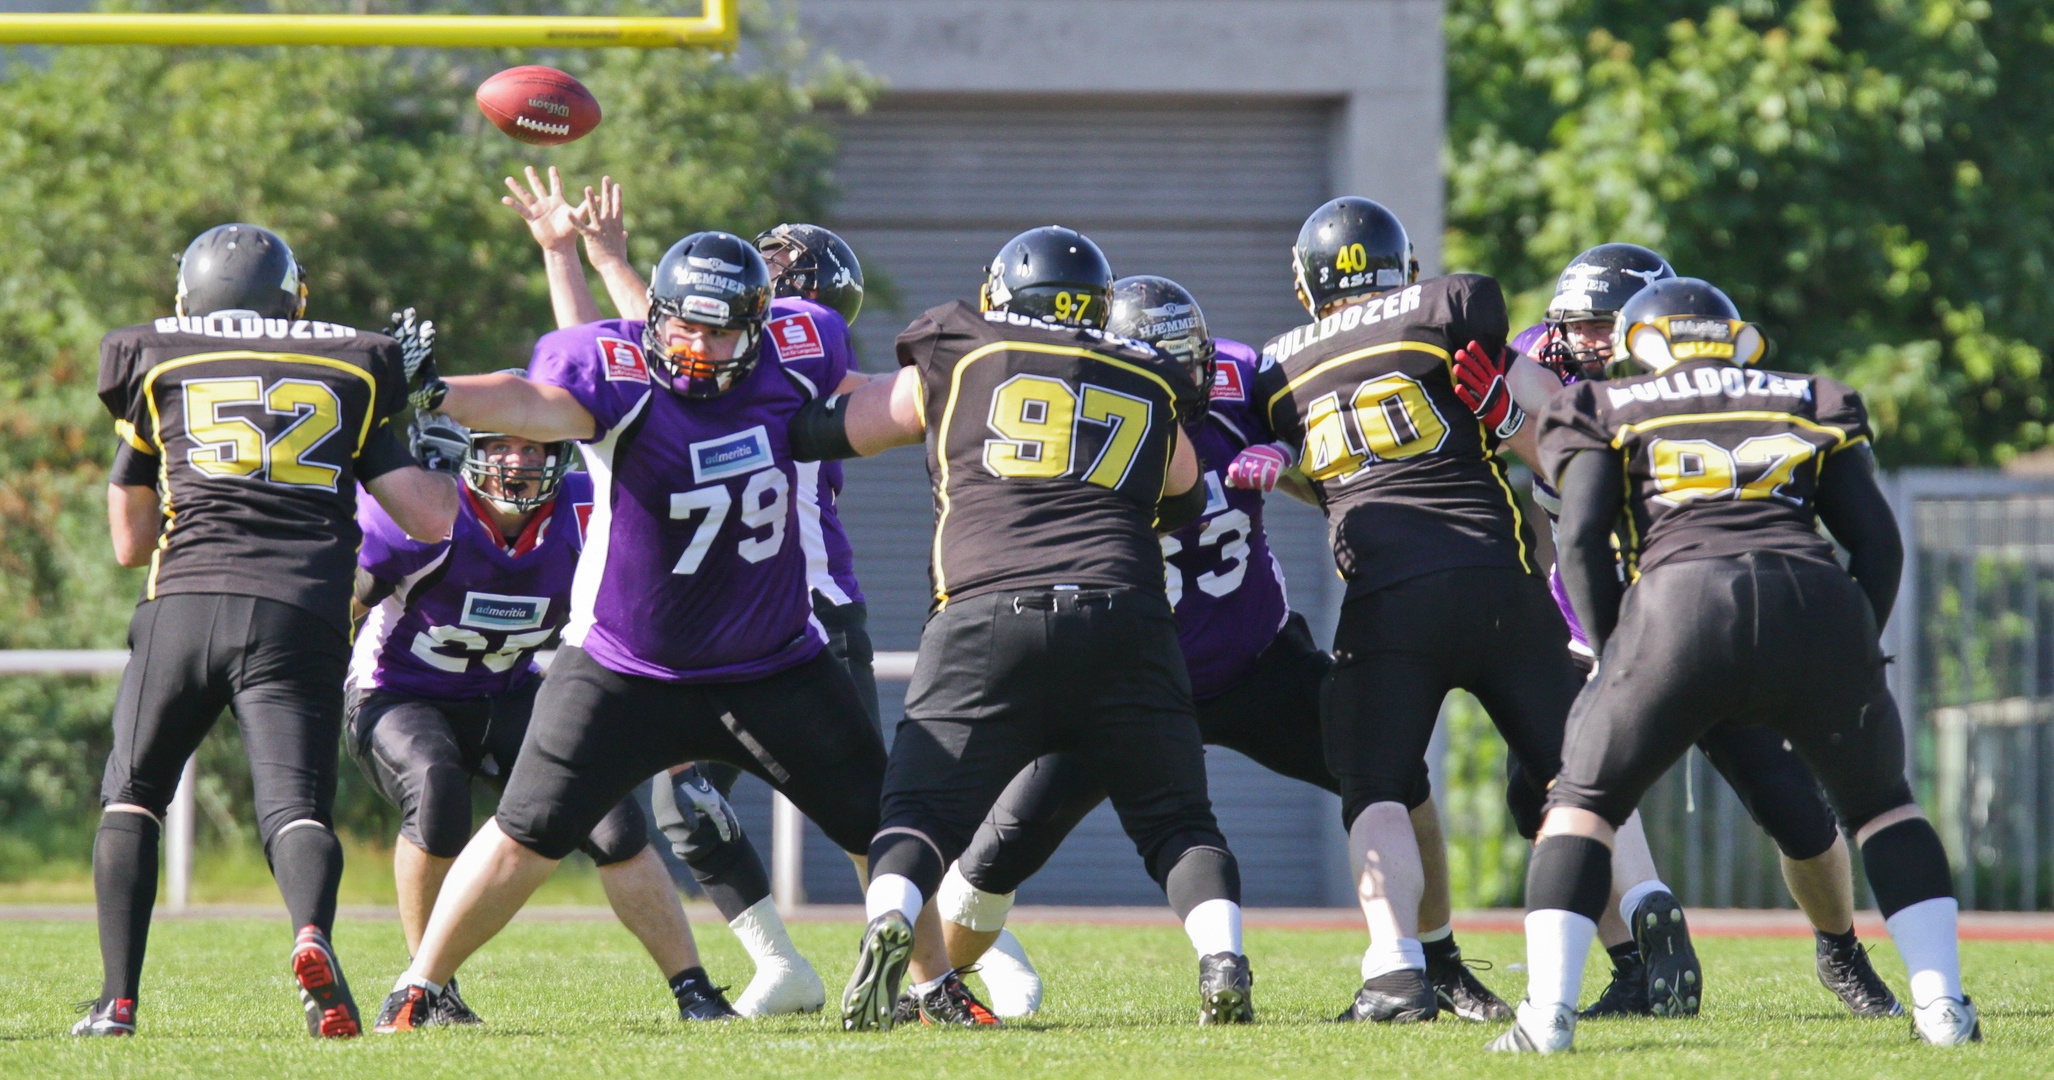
(731, 455)
(492, 611)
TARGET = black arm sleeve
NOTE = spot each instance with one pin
(819, 431)
(383, 452)
(133, 468)
(1176, 511)
(1593, 492)
(1853, 507)
(371, 590)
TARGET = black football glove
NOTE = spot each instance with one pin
(425, 389)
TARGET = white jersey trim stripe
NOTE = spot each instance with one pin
(599, 530)
(383, 620)
(812, 538)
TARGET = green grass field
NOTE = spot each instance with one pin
(580, 1000)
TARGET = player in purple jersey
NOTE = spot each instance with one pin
(812, 270)
(691, 632)
(443, 680)
(1255, 678)
(1573, 344)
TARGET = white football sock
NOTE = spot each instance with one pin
(1557, 944)
(761, 930)
(1925, 937)
(1632, 897)
(408, 978)
(1214, 927)
(1398, 955)
(892, 892)
(928, 987)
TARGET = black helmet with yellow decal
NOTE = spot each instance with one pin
(1681, 319)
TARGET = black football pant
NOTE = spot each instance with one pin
(1272, 716)
(1493, 631)
(730, 872)
(1710, 645)
(422, 753)
(280, 669)
(1093, 674)
(597, 733)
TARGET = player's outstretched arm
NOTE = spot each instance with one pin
(872, 418)
(421, 503)
(1183, 500)
(1593, 486)
(553, 223)
(1853, 507)
(503, 401)
(133, 517)
(603, 223)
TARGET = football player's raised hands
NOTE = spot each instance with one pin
(552, 221)
(601, 220)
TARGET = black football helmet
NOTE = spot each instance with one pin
(240, 268)
(1680, 319)
(1049, 273)
(823, 268)
(1165, 314)
(714, 279)
(1593, 287)
(1350, 247)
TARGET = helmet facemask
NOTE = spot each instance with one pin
(520, 488)
(691, 372)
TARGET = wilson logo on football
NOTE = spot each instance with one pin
(1226, 382)
(624, 361)
(797, 338)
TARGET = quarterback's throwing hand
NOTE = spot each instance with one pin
(1259, 467)
(1480, 383)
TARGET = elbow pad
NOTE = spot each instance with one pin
(1176, 511)
(820, 430)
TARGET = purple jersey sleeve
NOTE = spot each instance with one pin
(1529, 340)
(1233, 394)
(388, 553)
(601, 364)
(805, 334)
(811, 341)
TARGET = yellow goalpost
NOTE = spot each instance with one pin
(714, 28)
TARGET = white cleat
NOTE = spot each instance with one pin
(1536, 1030)
(1009, 978)
(1947, 1022)
(783, 985)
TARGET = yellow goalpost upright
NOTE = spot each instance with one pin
(714, 28)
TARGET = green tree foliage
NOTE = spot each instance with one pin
(378, 169)
(1869, 180)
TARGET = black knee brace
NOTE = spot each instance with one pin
(620, 835)
(1569, 873)
(1201, 874)
(1162, 855)
(441, 814)
(1906, 864)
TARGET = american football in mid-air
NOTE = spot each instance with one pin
(539, 105)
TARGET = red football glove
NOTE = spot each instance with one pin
(1259, 466)
(1480, 383)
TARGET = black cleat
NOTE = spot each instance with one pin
(1395, 997)
(869, 1000)
(1848, 973)
(116, 1017)
(1675, 982)
(1627, 994)
(1459, 991)
(906, 1009)
(1226, 989)
(409, 1008)
(450, 1007)
(331, 1011)
(953, 1004)
(699, 999)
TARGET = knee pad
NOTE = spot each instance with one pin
(1906, 865)
(967, 905)
(620, 835)
(1201, 873)
(437, 814)
(1570, 873)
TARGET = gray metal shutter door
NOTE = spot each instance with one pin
(1208, 193)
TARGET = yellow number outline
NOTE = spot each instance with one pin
(1130, 418)
(1384, 442)
(1719, 469)
(1782, 453)
(318, 413)
(1049, 437)
(231, 446)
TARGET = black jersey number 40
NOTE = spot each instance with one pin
(1045, 429)
(1388, 418)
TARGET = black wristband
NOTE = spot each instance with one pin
(820, 430)
(1176, 511)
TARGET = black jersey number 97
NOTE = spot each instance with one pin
(1044, 428)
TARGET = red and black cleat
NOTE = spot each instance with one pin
(953, 1003)
(331, 1012)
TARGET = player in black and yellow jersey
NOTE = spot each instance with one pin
(244, 431)
(1443, 588)
(1056, 459)
(1713, 477)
